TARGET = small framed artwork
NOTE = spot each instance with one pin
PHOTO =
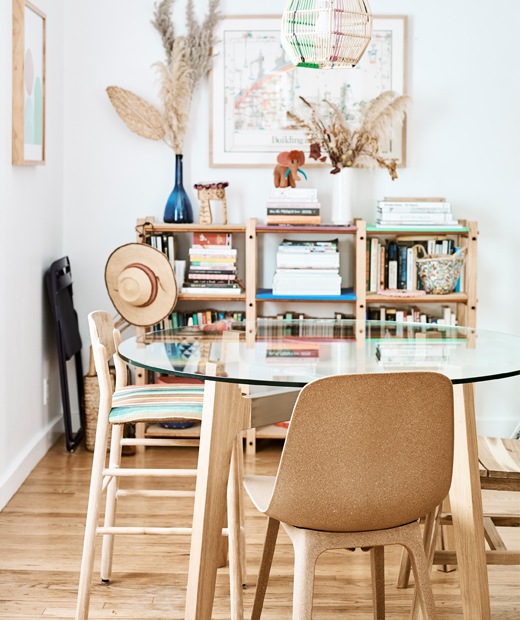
(28, 84)
(253, 85)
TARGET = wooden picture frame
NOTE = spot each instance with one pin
(29, 26)
(253, 84)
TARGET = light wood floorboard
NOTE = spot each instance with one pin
(41, 536)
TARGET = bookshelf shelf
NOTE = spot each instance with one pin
(324, 229)
(148, 225)
(415, 231)
(211, 298)
(452, 298)
(266, 294)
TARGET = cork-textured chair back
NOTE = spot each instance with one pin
(366, 452)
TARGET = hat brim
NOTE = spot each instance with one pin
(166, 298)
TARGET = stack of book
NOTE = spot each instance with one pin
(416, 212)
(290, 205)
(212, 269)
(307, 268)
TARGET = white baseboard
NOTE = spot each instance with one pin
(27, 460)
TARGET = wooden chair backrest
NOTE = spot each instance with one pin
(105, 338)
(366, 452)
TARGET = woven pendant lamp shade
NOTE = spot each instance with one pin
(326, 34)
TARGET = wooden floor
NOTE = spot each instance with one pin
(41, 535)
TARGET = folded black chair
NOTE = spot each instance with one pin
(58, 280)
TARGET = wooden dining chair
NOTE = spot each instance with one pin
(365, 457)
(130, 404)
(499, 461)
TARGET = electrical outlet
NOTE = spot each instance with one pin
(46, 386)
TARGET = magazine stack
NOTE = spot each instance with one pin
(290, 205)
(308, 268)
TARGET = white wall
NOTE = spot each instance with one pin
(31, 201)
(463, 143)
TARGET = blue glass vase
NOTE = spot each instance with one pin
(178, 208)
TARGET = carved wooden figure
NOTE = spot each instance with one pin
(207, 192)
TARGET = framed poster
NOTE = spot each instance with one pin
(253, 85)
(28, 84)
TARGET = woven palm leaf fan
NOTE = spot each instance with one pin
(326, 34)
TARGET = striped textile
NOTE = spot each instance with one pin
(157, 403)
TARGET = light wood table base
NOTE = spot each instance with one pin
(466, 506)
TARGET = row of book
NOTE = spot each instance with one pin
(199, 318)
(300, 325)
(164, 242)
(412, 314)
(414, 212)
(431, 353)
(391, 264)
(291, 205)
(212, 266)
(307, 268)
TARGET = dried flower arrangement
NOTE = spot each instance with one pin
(188, 60)
(354, 148)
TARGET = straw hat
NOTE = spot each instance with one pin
(141, 283)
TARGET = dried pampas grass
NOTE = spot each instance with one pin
(347, 147)
(176, 94)
(188, 59)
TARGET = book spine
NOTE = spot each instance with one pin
(382, 266)
(410, 269)
(431, 218)
(374, 263)
(402, 252)
(421, 204)
(428, 207)
(211, 284)
(333, 243)
(293, 219)
(293, 211)
(211, 276)
(205, 239)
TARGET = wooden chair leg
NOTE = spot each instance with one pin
(273, 527)
(241, 509)
(107, 549)
(234, 495)
(377, 566)
(94, 501)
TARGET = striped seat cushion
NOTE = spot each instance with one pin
(157, 403)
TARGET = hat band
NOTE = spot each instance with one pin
(153, 283)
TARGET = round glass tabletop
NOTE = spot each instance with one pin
(293, 353)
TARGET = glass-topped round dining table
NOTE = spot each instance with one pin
(287, 355)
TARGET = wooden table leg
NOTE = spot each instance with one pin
(466, 506)
(225, 413)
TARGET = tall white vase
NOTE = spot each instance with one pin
(342, 197)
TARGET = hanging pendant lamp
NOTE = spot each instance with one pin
(326, 34)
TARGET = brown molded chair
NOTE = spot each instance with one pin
(365, 457)
(134, 404)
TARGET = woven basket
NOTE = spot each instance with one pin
(91, 395)
(439, 272)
